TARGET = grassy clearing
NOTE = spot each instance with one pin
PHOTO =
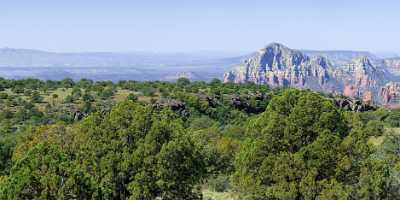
(376, 141)
(121, 95)
(395, 131)
(210, 195)
(61, 92)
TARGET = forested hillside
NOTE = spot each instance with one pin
(192, 140)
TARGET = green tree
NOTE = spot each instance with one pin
(68, 99)
(43, 169)
(183, 82)
(87, 97)
(54, 97)
(67, 83)
(3, 95)
(18, 89)
(132, 152)
(36, 97)
(132, 97)
(301, 148)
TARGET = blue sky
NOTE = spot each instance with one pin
(195, 25)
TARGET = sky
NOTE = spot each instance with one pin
(199, 25)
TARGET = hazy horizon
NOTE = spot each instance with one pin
(192, 26)
(198, 52)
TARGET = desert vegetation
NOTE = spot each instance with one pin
(191, 140)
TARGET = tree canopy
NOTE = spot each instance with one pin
(302, 147)
(191, 140)
(134, 152)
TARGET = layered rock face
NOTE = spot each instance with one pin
(393, 65)
(362, 75)
(277, 65)
(390, 93)
(340, 57)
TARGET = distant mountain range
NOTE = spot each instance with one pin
(352, 73)
(36, 58)
(22, 63)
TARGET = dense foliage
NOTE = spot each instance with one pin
(162, 140)
(302, 147)
(134, 151)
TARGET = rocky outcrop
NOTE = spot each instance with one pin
(78, 115)
(363, 73)
(350, 104)
(361, 78)
(368, 98)
(176, 106)
(393, 65)
(341, 57)
(251, 103)
(277, 65)
(390, 93)
(350, 91)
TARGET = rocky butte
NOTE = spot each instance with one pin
(361, 77)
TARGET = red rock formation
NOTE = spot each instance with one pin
(390, 93)
(368, 98)
(277, 65)
(350, 91)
